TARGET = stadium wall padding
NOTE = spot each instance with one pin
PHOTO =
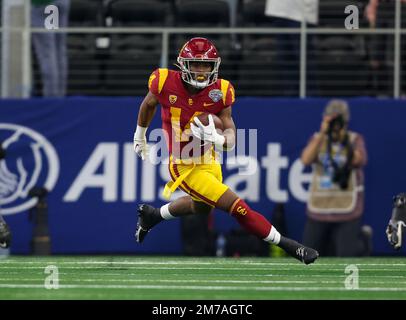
(99, 181)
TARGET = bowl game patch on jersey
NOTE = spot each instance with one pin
(216, 95)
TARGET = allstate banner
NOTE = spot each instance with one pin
(80, 149)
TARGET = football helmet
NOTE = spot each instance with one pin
(397, 223)
(199, 50)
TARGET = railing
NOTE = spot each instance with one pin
(236, 33)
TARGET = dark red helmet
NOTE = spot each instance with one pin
(199, 50)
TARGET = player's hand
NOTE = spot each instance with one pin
(141, 148)
(207, 133)
(140, 145)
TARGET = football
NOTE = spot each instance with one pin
(204, 119)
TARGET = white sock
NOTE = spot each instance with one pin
(274, 236)
(165, 214)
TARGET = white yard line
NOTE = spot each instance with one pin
(363, 282)
(177, 262)
(247, 275)
(362, 268)
(233, 288)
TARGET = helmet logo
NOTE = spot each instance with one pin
(190, 101)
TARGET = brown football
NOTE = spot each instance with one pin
(204, 119)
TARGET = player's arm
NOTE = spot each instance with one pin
(229, 128)
(147, 110)
(145, 115)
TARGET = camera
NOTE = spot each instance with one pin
(336, 124)
(341, 173)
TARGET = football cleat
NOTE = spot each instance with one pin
(148, 217)
(306, 255)
(300, 252)
(5, 235)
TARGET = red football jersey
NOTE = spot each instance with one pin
(179, 107)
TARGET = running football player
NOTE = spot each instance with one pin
(183, 95)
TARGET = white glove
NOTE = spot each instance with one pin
(141, 147)
(207, 133)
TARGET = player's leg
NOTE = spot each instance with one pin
(5, 234)
(258, 225)
(204, 183)
(150, 216)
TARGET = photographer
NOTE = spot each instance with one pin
(336, 198)
(5, 234)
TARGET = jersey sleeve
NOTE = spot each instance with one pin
(228, 93)
(157, 81)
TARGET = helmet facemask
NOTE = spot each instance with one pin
(190, 76)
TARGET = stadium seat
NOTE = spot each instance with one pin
(128, 67)
(338, 63)
(331, 12)
(253, 14)
(192, 13)
(259, 72)
(132, 57)
(84, 66)
(204, 14)
(341, 67)
(141, 13)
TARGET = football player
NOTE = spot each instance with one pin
(5, 234)
(183, 95)
(397, 223)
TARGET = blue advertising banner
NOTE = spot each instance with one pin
(81, 150)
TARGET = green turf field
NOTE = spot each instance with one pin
(139, 277)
